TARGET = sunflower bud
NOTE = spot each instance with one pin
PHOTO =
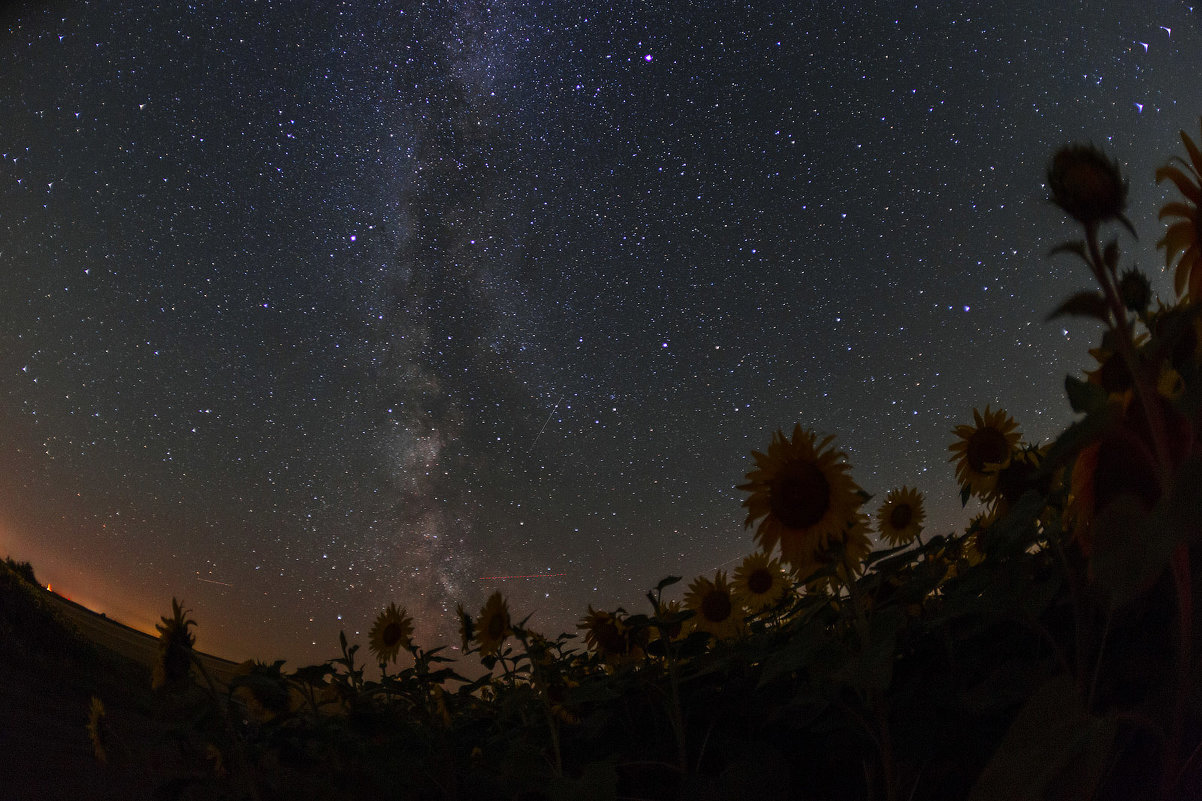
(1135, 291)
(1086, 184)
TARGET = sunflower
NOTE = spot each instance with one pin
(983, 449)
(1019, 476)
(668, 611)
(759, 582)
(1112, 373)
(848, 552)
(390, 633)
(1183, 236)
(1087, 184)
(608, 635)
(718, 611)
(96, 729)
(493, 625)
(899, 520)
(174, 665)
(801, 494)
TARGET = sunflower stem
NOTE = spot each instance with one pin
(1126, 347)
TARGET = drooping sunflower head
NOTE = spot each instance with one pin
(717, 610)
(899, 520)
(759, 582)
(392, 631)
(1087, 184)
(802, 495)
(1183, 239)
(493, 626)
(983, 449)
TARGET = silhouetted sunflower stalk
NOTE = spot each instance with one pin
(1089, 187)
(1137, 455)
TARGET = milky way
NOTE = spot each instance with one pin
(306, 314)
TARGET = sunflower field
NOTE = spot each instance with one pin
(1049, 651)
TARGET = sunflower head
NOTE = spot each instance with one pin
(718, 611)
(1021, 474)
(392, 631)
(760, 582)
(608, 635)
(493, 626)
(801, 494)
(983, 449)
(1181, 241)
(1178, 332)
(1086, 184)
(1111, 374)
(899, 520)
(845, 554)
(668, 611)
(1135, 290)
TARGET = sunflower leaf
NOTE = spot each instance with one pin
(666, 582)
(1082, 304)
(1077, 248)
(1084, 396)
(1054, 749)
(1077, 436)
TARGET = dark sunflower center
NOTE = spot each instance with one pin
(715, 606)
(392, 634)
(760, 581)
(800, 495)
(609, 638)
(1115, 376)
(496, 627)
(987, 446)
(901, 516)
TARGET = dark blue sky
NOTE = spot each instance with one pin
(306, 314)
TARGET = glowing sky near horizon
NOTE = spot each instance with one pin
(407, 302)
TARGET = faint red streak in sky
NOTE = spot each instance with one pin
(532, 575)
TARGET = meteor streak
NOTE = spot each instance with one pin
(532, 575)
(213, 581)
(552, 414)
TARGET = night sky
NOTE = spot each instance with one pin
(306, 313)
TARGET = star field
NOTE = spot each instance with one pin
(306, 314)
